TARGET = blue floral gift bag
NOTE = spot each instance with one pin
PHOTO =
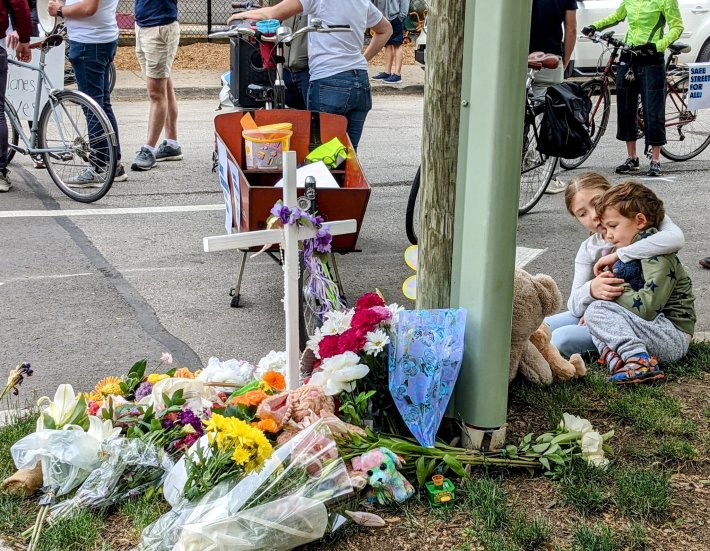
(424, 361)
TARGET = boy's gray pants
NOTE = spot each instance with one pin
(630, 335)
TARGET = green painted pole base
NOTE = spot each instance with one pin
(490, 142)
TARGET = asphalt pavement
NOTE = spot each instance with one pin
(86, 290)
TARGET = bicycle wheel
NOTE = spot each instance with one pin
(687, 132)
(536, 169)
(13, 136)
(81, 162)
(598, 119)
(411, 219)
(111, 77)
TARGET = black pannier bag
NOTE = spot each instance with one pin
(564, 131)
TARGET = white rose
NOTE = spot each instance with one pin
(592, 450)
(576, 424)
(339, 373)
(273, 361)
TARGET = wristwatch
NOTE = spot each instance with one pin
(59, 12)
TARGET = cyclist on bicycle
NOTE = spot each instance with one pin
(23, 25)
(339, 82)
(642, 72)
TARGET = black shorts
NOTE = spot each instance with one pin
(397, 37)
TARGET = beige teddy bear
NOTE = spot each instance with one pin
(531, 352)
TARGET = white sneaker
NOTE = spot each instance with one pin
(555, 186)
(5, 183)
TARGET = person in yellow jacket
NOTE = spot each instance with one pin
(642, 73)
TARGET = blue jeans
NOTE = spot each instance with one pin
(347, 93)
(91, 64)
(568, 336)
(297, 83)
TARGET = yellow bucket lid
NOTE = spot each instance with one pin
(277, 126)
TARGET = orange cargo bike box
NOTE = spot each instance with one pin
(250, 193)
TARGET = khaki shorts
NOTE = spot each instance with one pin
(156, 48)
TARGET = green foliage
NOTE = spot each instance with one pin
(676, 450)
(649, 409)
(693, 364)
(553, 400)
(19, 424)
(530, 534)
(143, 511)
(634, 537)
(488, 501)
(584, 487)
(133, 378)
(493, 541)
(593, 538)
(643, 494)
(596, 382)
(354, 406)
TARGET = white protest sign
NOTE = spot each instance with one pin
(22, 83)
(699, 86)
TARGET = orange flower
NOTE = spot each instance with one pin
(251, 398)
(183, 373)
(266, 425)
(275, 380)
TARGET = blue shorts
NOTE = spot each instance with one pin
(397, 37)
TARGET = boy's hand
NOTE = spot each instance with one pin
(605, 262)
(606, 286)
(581, 321)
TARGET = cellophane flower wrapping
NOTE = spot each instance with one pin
(129, 467)
(425, 356)
(67, 457)
(282, 506)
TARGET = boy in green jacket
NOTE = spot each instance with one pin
(656, 321)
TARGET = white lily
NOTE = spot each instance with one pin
(102, 429)
(62, 410)
(576, 424)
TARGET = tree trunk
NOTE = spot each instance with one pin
(442, 104)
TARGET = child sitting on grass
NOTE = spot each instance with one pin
(656, 322)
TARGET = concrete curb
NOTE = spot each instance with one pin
(212, 92)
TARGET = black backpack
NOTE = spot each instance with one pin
(564, 131)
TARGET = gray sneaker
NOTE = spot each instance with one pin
(145, 160)
(167, 152)
(5, 184)
(88, 178)
(119, 174)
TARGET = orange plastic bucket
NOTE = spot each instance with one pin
(264, 148)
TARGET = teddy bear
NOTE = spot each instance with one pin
(531, 352)
(388, 484)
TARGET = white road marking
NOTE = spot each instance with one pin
(85, 274)
(659, 179)
(524, 256)
(104, 212)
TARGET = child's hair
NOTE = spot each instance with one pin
(586, 180)
(630, 199)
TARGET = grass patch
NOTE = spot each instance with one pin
(77, 533)
(634, 538)
(553, 400)
(141, 512)
(18, 425)
(596, 382)
(585, 487)
(488, 501)
(643, 494)
(676, 450)
(693, 364)
(593, 538)
(530, 534)
(493, 541)
(648, 409)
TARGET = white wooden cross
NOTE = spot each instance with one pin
(290, 235)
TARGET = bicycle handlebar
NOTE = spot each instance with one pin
(281, 36)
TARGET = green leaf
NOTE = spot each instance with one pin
(540, 448)
(171, 372)
(526, 439)
(511, 451)
(455, 465)
(552, 449)
(545, 463)
(421, 470)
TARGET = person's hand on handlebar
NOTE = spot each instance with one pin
(22, 51)
(589, 31)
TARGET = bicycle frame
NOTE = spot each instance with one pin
(43, 83)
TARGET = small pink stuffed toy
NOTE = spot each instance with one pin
(380, 465)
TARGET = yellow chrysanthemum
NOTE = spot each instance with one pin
(92, 396)
(241, 456)
(155, 377)
(109, 386)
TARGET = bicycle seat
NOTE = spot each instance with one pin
(541, 60)
(259, 92)
(679, 48)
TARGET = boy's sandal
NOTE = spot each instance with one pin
(637, 370)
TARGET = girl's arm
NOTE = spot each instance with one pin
(585, 287)
(669, 239)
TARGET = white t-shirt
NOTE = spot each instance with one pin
(333, 53)
(100, 28)
(669, 239)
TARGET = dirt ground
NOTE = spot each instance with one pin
(210, 56)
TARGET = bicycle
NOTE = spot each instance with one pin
(536, 169)
(274, 97)
(687, 132)
(71, 134)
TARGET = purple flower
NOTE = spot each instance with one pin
(296, 216)
(282, 212)
(188, 417)
(143, 390)
(323, 240)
